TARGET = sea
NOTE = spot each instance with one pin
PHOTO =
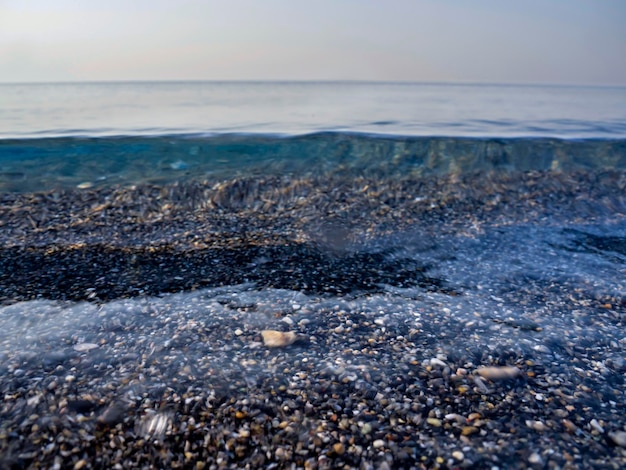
(486, 222)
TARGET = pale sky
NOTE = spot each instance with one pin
(490, 41)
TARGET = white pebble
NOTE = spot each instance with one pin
(437, 362)
(595, 425)
(83, 347)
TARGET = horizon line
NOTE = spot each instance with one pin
(313, 81)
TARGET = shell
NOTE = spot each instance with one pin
(277, 339)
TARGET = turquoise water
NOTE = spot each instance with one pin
(66, 162)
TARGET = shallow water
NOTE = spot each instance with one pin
(523, 286)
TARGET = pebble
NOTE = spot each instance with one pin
(536, 425)
(595, 425)
(339, 448)
(437, 362)
(469, 430)
(618, 437)
(113, 414)
(83, 347)
(378, 443)
(498, 373)
(435, 422)
(80, 464)
(358, 394)
(278, 339)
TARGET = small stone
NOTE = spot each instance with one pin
(595, 425)
(378, 443)
(437, 362)
(434, 422)
(85, 185)
(498, 373)
(84, 347)
(535, 458)
(278, 339)
(80, 464)
(454, 417)
(70, 378)
(618, 437)
(238, 332)
(339, 448)
(458, 455)
(469, 430)
(113, 414)
(536, 425)
(571, 427)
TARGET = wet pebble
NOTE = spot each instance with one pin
(278, 339)
(498, 373)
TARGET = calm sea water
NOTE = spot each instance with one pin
(415, 109)
(90, 134)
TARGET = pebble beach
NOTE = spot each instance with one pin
(465, 320)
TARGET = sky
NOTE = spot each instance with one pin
(472, 41)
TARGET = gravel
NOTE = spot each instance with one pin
(481, 328)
